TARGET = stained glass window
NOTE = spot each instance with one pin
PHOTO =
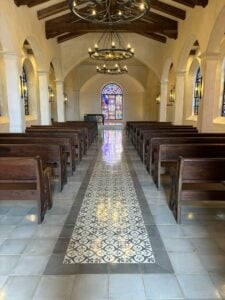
(197, 91)
(24, 91)
(112, 102)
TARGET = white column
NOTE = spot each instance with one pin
(163, 100)
(44, 98)
(15, 103)
(60, 101)
(209, 71)
(179, 98)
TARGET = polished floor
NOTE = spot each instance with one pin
(111, 236)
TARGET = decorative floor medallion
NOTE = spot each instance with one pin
(110, 227)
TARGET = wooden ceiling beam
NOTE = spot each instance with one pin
(202, 3)
(67, 18)
(52, 10)
(156, 18)
(29, 3)
(21, 2)
(188, 3)
(88, 27)
(168, 9)
(81, 28)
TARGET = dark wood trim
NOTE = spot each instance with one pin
(53, 9)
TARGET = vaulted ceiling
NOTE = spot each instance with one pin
(160, 23)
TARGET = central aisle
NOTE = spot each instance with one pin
(110, 228)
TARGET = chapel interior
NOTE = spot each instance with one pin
(112, 149)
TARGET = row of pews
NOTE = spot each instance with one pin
(194, 161)
(30, 161)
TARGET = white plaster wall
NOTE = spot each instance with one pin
(12, 38)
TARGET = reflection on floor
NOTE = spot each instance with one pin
(110, 226)
(196, 248)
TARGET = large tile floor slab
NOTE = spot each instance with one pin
(190, 257)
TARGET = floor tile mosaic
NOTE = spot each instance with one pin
(108, 222)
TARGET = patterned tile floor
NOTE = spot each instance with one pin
(189, 258)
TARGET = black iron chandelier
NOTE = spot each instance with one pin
(109, 11)
(110, 69)
(110, 47)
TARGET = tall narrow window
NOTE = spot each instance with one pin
(112, 102)
(24, 91)
(197, 91)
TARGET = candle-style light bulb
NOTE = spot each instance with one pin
(142, 6)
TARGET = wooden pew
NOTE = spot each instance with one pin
(51, 155)
(91, 126)
(196, 179)
(168, 155)
(199, 138)
(146, 134)
(147, 141)
(131, 124)
(83, 132)
(60, 133)
(25, 179)
(66, 142)
(141, 130)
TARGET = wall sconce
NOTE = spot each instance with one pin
(198, 88)
(23, 87)
(157, 99)
(51, 95)
(65, 98)
(171, 96)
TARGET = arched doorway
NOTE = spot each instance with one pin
(112, 101)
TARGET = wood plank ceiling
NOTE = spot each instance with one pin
(160, 23)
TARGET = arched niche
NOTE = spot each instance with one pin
(86, 70)
(192, 66)
(52, 92)
(29, 65)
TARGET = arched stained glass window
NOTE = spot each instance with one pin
(112, 102)
(24, 91)
(197, 91)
